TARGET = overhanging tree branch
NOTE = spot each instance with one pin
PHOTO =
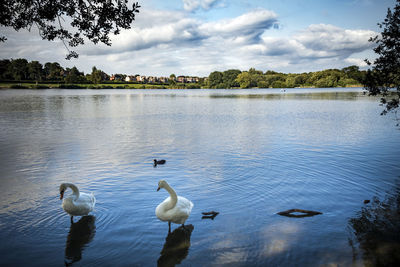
(93, 19)
(384, 78)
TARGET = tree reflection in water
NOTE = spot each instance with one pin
(80, 234)
(376, 230)
(176, 247)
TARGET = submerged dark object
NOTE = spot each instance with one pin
(209, 215)
(305, 213)
(159, 162)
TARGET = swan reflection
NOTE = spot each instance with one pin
(176, 247)
(80, 234)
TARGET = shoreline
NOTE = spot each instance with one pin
(131, 86)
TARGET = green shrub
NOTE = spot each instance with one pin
(71, 86)
(39, 86)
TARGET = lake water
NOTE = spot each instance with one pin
(246, 154)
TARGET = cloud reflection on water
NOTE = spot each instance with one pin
(279, 236)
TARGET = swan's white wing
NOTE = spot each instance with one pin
(177, 214)
(184, 205)
(80, 207)
(181, 211)
(86, 201)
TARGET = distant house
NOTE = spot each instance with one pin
(163, 79)
(104, 76)
(116, 77)
(181, 79)
(141, 78)
(152, 79)
(130, 78)
(187, 79)
(192, 79)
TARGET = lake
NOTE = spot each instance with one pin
(247, 154)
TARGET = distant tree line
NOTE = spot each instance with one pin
(349, 76)
(20, 70)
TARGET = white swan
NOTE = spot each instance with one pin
(174, 208)
(77, 204)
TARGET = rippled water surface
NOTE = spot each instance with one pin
(247, 154)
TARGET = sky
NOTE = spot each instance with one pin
(197, 37)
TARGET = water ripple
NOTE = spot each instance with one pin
(245, 154)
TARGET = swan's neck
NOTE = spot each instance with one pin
(75, 190)
(174, 197)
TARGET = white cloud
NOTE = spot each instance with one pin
(356, 61)
(180, 31)
(156, 30)
(193, 5)
(313, 47)
(190, 5)
(183, 31)
(322, 37)
(207, 4)
(248, 26)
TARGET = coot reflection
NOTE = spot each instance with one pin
(80, 234)
(176, 247)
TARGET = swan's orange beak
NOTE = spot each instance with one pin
(158, 189)
(61, 194)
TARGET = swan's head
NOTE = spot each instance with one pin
(161, 184)
(63, 187)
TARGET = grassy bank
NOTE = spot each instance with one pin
(95, 86)
(25, 85)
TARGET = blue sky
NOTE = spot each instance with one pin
(196, 37)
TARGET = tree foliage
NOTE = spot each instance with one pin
(229, 78)
(53, 71)
(97, 76)
(250, 79)
(73, 75)
(349, 76)
(91, 19)
(244, 79)
(172, 79)
(385, 73)
(215, 79)
(226, 79)
(35, 70)
(19, 69)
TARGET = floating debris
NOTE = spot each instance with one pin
(305, 213)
